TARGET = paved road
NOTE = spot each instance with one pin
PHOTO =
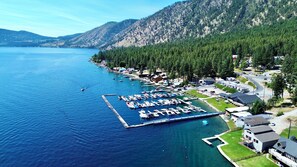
(261, 90)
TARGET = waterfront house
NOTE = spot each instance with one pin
(244, 99)
(254, 121)
(236, 112)
(236, 109)
(237, 115)
(260, 138)
(285, 152)
(241, 120)
(157, 78)
(224, 95)
(248, 99)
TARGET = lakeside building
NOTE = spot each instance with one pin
(260, 138)
(253, 121)
(237, 112)
(244, 99)
(240, 122)
(285, 152)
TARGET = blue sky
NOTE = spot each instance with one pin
(64, 17)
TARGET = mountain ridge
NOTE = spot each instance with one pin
(181, 20)
(199, 18)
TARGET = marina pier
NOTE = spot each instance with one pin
(154, 122)
(115, 111)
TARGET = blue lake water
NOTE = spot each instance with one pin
(45, 120)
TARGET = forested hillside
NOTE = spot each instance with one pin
(211, 56)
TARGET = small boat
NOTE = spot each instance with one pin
(143, 115)
(82, 89)
(130, 105)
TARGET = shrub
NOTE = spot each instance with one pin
(280, 113)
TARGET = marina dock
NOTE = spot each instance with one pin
(155, 122)
(115, 111)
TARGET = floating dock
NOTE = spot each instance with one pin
(115, 111)
(154, 122)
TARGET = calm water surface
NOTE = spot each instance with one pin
(45, 120)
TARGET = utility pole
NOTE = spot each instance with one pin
(264, 93)
(289, 128)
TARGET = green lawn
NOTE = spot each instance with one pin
(220, 104)
(234, 150)
(231, 125)
(252, 84)
(226, 88)
(259, 161)
(242, 79)
(195, 93)
(286, 131)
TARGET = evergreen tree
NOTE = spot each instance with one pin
(278, 85)
(259, 107)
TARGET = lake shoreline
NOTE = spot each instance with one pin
(204, 101)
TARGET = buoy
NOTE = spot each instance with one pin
(204, 122)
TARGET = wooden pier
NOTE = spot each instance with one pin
(154, 122)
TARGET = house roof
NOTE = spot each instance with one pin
(237, 109)
(265, 116)
(241, 114)
(209, 79)
(248, 99)
(224, 95)
(286, 146)
(267, 137)
(256, 120)
(260, 129)
(235, 95)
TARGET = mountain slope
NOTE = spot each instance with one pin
(100, 35)
(20, 38)
(198, 18)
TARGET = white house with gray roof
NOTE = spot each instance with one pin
(285, 151)
(260, 138)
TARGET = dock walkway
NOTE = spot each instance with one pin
(115, 111)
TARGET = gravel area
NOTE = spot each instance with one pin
(281, 122)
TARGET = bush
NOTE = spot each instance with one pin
(280, 113)
(252, 84)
